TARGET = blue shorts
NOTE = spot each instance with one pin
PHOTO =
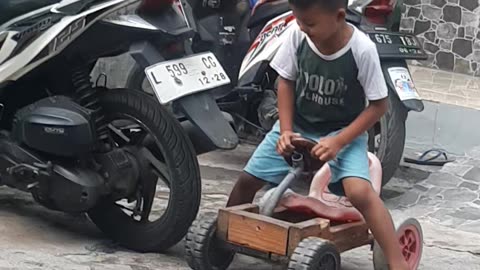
(352, 161)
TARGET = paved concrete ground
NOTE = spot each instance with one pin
(445, 200)
(443, 126)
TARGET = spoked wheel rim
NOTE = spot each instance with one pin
(151, 199)
(410, 240)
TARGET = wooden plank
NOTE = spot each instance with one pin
(248, 207)
(258, 232)
(222, 224)
(317, 227)
(350, 235)
(223, 216)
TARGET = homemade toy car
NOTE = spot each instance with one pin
(311, 231)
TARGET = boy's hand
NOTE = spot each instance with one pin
(327, 148)
(284, 144)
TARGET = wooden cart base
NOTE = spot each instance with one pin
(253, 234)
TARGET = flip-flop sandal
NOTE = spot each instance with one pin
(433, 160)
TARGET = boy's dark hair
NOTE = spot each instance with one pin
(330, 5)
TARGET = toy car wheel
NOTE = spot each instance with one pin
(315, 254)
(203, 250)
(410, 238)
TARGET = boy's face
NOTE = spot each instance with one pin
(317, 23)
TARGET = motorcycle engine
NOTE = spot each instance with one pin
(55, 125)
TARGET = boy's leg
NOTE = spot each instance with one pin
(366, 200)
(245, 189)
(265, 166)
(351, 177)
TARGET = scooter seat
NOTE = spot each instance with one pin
(322, 203)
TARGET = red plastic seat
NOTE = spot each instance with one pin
(324, 204)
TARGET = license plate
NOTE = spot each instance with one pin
(403, 83)
(174, 79)
(398, 45)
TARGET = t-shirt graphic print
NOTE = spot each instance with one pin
(331, 90)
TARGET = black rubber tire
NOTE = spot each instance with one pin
(185, 187)
(393, 133)
(310, 253)
(200, 250)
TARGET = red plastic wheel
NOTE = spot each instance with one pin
(411, 242)
(410, 239)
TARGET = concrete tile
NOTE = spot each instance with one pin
(421, 188)
(468, 213)
(471, 186)
(460, 195)
(474, 153)
(473, 174)
(456, 169)
(443, 180)
(473, 227)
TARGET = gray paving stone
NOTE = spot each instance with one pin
(473, 227)
(444, 180)
(441, 213)
(474, 153)
(452, 222)
(426, 200)
(421, 188)
(216, 173)
(409, 198)
(434, 191)
(412, 175)
(477, 202)
(473, 174)
(388, 194)
(468, 213)
(451, 204)
(471, 186)
(456, 169)
(459, 195)
(473, 162)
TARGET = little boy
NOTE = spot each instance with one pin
(328, 69)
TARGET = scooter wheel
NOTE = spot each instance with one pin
(314, 254)
(410, 239)
(203, 250)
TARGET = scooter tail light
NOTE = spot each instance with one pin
(152, 6)
(378, 11)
